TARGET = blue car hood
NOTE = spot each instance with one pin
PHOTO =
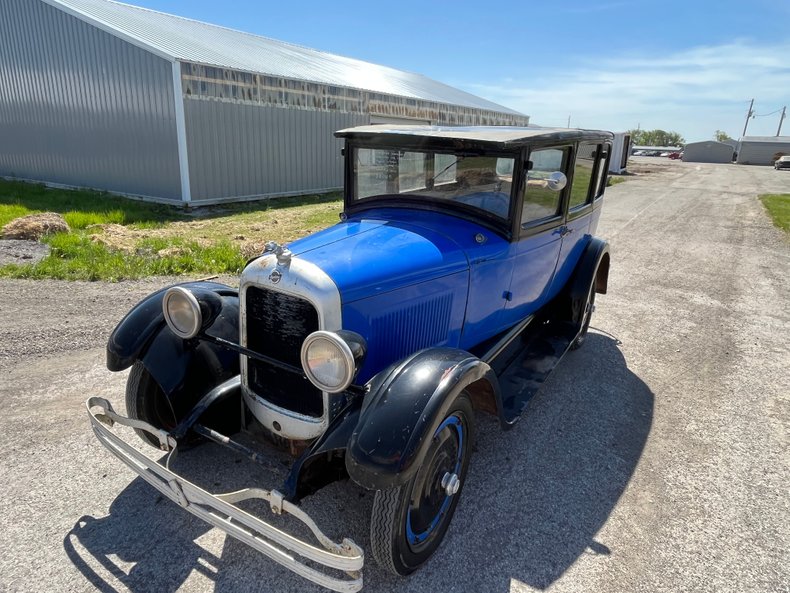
(373, 255)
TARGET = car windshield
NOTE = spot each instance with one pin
(482, 182)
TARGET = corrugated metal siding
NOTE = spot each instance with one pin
(707, 152)
(209, 82)
(193, 41)
(242, 150)
(80, 107)
(759, 151)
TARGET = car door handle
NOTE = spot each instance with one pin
(564, 230)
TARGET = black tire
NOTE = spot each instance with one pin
(401, 542)
(589, 306)
(146, 401)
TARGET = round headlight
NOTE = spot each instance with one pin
(182, 312)
(327, 361)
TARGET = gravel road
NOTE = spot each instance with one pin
(655, 458)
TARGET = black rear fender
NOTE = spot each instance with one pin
(405, 405)
(591, 271)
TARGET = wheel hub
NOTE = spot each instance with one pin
(450, 483)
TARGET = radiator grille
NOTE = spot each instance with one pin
(404, 331)
(277, 325)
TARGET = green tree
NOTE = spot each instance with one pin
(721, 136)
(656, 138)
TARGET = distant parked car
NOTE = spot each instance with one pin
(675, 155)
(783, 162)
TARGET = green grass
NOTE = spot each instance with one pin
(155, 239)
(614, 180)
(76, 257)
(80, 208)
(778, 206)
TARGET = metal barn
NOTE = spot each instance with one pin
(95, 93)
(708, 151)
(761, 150)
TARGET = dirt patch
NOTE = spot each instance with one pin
(249, 231)
(21, 252)
(121, 238)
(637, 168)
(653, 165)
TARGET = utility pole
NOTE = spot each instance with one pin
(781, 119)
(569, 123)
(748, 115)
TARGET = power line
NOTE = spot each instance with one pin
(767, 114)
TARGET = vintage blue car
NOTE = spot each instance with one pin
(463, 268)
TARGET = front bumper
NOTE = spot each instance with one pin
(345, 559)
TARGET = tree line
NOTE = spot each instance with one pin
(655, 138)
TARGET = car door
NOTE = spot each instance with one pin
(489, 252)
(578, 208)
(540, 240)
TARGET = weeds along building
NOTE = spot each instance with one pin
(100, 94)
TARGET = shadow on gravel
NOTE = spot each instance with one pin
(537, 495)
(145, 544)
(534, 500)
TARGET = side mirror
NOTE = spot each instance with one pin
(556, 181)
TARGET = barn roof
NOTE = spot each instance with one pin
(177, 38)
(770, 139)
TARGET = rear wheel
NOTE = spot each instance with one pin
(589, 307)
(409, 522)
(146, 401)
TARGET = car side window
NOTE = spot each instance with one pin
(585, 175)
(540, 200)
(602, 171)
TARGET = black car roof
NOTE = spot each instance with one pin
(503, 136)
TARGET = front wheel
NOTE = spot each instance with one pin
(146, 401)
(409, 522)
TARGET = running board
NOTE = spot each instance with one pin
(528, 361)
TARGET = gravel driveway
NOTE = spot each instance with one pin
(655, 459)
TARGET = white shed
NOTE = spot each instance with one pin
(621, 150)
(708, 151)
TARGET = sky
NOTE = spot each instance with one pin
(686, 66)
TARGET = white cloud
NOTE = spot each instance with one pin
(694, 92)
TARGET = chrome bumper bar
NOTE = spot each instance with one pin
(346, 558)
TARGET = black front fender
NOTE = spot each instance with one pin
(184, 369)
(404, 407)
